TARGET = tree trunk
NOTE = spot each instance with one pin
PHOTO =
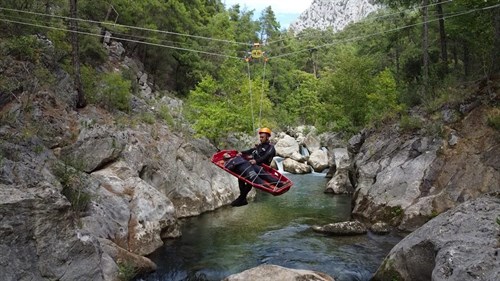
(73, 26)
(425, 44)
(495, 56)
(466, 58)
(442, 37)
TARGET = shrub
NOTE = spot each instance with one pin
(164, 114)
(410, 123)
(116, 92)
(24, 48)
(73, 184)
(148, 118)
(126, 270)
(494, 119)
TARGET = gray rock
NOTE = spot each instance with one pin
(460, 244)
(354, 144)
(380, 228)
(318, 160)
(269, 272)
(38, 240)
(287, 146)
(342, 228)
(294, 167)
(340, 183)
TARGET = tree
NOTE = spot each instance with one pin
(425, 43)
(269, 26)
(73, 26)
(442, 37)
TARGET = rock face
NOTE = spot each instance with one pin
(460, 244)
(340, 182)
(83, 193)
(268, 272)
(337, 14)
(405, 180)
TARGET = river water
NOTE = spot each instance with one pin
(272, 230)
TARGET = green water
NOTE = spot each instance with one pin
(272, 230)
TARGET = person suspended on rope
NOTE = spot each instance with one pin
(256, 53)
(262, 153)
(242, 167)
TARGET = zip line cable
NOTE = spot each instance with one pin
(250, 91)
(374, 18)
(262, 94)
(229, 56)
(126, 26)
(386, 31)
(116, 34)
(122, 39)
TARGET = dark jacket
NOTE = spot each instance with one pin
(242, 167)
(262, 153)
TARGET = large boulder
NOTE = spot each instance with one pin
(286, 146)
(294, 167)
(269, 272)
(406, 180)
(318, 160)
(460, 244)
(340, 182)
(39, 239)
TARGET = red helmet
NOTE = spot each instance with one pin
(265, 130)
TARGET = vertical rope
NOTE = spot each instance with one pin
(262, 94)
(251, 98)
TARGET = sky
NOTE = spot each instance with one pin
(286, 11)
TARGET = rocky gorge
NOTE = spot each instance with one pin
(87, 194)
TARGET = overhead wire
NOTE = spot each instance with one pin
(116, 34)
(122, 39)
(385, 31)
(127, 26)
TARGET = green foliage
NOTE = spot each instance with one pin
(494, 119)
(410, 123)
(44, 76)
(116, 92)
(90, 79)
(396, 211)
(23, 48)
(148, 118)
(126, 270)
(164, 114)
(92, 51)
(69, 175)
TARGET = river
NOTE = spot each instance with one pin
(272, 230)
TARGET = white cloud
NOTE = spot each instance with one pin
(278, 6)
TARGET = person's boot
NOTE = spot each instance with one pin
(242, 199)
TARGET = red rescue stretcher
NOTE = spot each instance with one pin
(218, 160)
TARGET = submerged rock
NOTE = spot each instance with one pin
(269, 272)
(342, 228)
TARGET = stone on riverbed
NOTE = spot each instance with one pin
(269, 272)
(342, 228)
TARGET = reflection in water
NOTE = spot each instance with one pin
(272, 230)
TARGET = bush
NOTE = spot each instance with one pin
(72, 182)
(410, 123)
(126, 270)
(90, 80)
(494, 119)
(116, 92)
(24, 48)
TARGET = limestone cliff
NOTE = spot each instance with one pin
(87, 193)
